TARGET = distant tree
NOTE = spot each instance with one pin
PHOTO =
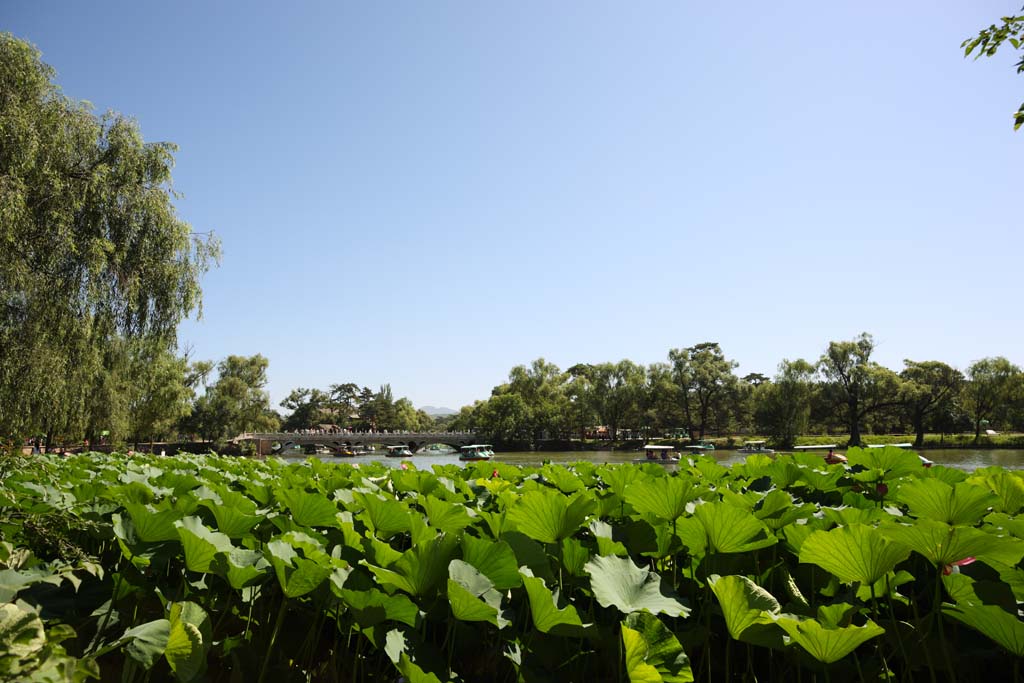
(541, 385)
(579, 394)
(504, 418)
(988, 42)
(618, 390)
(308, 408)
(703, 375)
(783, 407)
(993, 385)
(237, 402)
(160, 392)
(661, 403)
(92, 252)
(855, 384)
(928, 389)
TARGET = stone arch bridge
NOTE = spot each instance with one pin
(273, 442)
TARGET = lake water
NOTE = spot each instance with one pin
(966, 459)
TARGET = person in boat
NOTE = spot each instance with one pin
(651, 455)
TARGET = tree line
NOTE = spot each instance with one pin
(696, 392)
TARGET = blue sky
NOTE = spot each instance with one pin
(428, 194)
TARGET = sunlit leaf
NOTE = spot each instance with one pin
(617, 582)
(853, 553)
(653, 654)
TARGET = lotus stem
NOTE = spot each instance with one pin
(273, 637)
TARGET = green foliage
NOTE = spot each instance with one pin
(96, 268)
(988, 42)
(327, 571)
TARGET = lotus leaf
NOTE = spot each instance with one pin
(943, 544)
(308, 509)
(147, 642)
(828, 644)
(1006, 485)
(653, 653)
(384, 517)
(472, 596)
(884, 463)
(548, 516)
(371, 606)
(665, 497)
(151, 525)
(617, 582)
(200, 543)
(420, 568)
(992, 620)
(495, 559)
(855, 553)
(22, 639)
(743, 602)
(544, 610)
(962, 503)
(448, 517)
(732, 530)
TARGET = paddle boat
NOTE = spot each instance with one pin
(663, 455)
(344, 452)
(700, 446)
(753, 447)
(480, 451)
(398, 452)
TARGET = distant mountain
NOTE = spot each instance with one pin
(435, 411)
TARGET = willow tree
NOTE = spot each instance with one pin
(91, 248)
(855, 384)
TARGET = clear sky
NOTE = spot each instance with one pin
(429, 193)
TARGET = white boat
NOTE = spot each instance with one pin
(663, 455)
(753, 447)
(480, 451)
(398, 452)
(894, 445)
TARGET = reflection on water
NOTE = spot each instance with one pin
(965, 459)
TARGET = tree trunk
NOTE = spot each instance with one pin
(918, 430)
(854, 425)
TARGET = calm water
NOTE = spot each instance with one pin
(966, 459)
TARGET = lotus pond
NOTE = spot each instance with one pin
(205, 568)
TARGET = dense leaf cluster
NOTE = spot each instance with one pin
(238, 569)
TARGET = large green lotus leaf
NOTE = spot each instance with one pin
(653, 653)
(732, 530)
(151, 525)
(200, 543)
(232, 515)
(958, 504)
(693, 535)
(845, 516)
(1004, 522)
(241, 567)
(606, 543)
(189, 640)
(371, 607)
(665, 497)
(496, 560)
(1006, 485)
(380, 553)
(564, 480)
(420, 568)
(825, 478)
(709, 469)
(414, 481)
(548, 516)
(574, 556)
(853, 553)
(547, 617)
(297, 575)
(992, 620)
(888, 463)
(618, 477)
(617, 582)
(308, 509)
(743, 602)
(472, 596)
(447, 517)
(495, 521)
(943, 544)
(384, 517)
(146, 643)
(828, 644)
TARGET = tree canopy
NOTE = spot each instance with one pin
(92, 250)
